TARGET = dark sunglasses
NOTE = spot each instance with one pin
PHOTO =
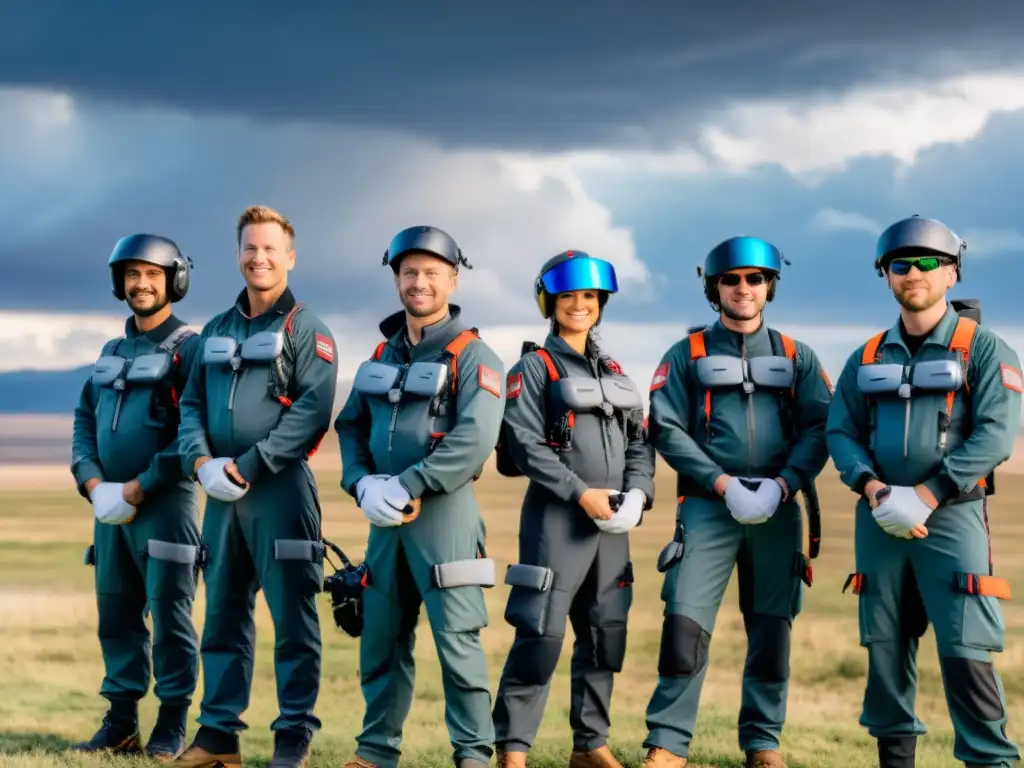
(923, 263)
(754, 278)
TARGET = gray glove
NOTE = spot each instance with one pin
(628, 514)
(752, 507)
(901, 511)
(109, 505)
(370, 498)
(216, 483)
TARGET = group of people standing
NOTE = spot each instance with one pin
(744, 415)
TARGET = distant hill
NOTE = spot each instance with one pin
(56, 392)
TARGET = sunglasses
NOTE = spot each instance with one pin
(924, 264)
(733, 279)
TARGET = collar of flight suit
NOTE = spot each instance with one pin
(433, 339)
(940, 335)
(284, 304)
(720, 333)
(555, 343)
(155, 335)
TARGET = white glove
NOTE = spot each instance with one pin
(901, 511)
(628, 514)
(109, 505)
(370, 497)
(752, 507)
(216, 483)
(394, 494)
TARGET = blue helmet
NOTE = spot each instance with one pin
(740, 253)
(573, 271)
(915, 234)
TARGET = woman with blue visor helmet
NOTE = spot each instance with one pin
(584, 451)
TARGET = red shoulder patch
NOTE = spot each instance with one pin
(614, 367)
(660, 377)
(1011, 378)
(489, 379)
(513, 386)
(324, 348)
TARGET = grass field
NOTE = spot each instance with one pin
(50, 665)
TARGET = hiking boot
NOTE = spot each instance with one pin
(764, 758)
(510, 759)
(662, 758)
(118, 733)
(358, 762)
(210, 749)
(897, 751)
(601, 757)
(167, 740)
(291, 748)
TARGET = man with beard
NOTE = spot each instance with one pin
(738, 410)
(422, 418)
(252, 413)
(923, 413)
(146, 534)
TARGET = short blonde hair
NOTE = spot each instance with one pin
(262, 214)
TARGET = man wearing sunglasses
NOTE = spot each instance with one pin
(738, 410)
(923, 412)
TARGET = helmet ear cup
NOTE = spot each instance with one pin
(179, 278)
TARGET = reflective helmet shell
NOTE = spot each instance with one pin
(573, 271)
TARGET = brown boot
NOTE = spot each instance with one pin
(601, 757)
(662, 758)
(358, 762)
(509, 759)
(764, 758)
(197, 757)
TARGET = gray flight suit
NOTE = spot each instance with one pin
(270, 416)
(704, 428)
(587, 573)
(125, 428)
(437, 446)
(945, 579)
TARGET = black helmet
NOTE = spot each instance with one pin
(917, 234)
(426, 239)
(151, 249)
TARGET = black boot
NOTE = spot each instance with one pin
(167, 740)
(897, 751)
(291, 748)
(119, 731)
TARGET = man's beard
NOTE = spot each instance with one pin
(150, 311)
(425, 311)
(917, 304)
(732, 314)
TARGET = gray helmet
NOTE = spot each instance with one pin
(152, 249)
(917, 234)
(424, 239)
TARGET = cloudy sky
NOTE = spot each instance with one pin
(643, 135)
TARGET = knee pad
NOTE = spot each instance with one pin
(532, 660)
(768, 657)
(972, 685)
(684, 647)
(610, 647)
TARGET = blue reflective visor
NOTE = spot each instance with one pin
(740, 252)
(579, 274)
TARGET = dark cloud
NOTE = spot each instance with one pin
(528, 74)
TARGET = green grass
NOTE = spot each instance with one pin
(50, 667)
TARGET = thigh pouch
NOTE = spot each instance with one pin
(301, 563)
(172, 570)
(529, 601)
(455, 602)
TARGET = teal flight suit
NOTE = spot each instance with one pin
(905, 584)
(768, 433)
(269, 416)
(591, 573)
(436, 447)
(127, 430)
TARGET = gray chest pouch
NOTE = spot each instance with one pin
(261, 349)
(900, 380)
(621, 393)
(121, 373)
(417, 394)
(726, 371)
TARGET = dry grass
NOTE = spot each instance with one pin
(50, 665)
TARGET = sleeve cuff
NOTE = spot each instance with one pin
(793, 480)
(148, 481)
(250, 465)
(862, 480)
(942, 487)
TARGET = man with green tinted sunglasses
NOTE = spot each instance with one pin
(921, 415)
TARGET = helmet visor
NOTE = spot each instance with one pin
(580, 274)
(740, 252)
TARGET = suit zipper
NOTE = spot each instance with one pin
(749, 391)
